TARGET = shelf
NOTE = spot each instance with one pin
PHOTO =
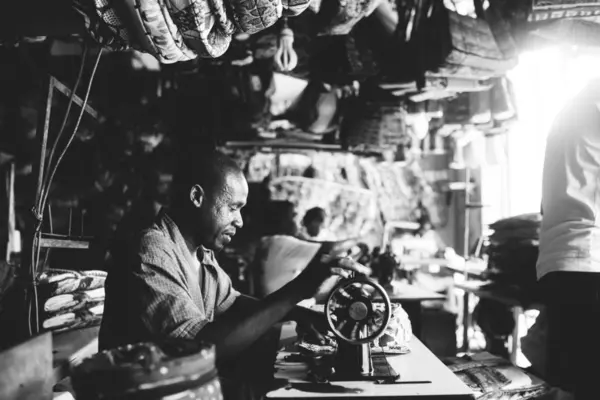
(281, 144)
(65, 243)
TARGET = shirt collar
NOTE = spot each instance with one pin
(205, 256)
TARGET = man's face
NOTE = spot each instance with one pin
(221, 212)
(314, 227)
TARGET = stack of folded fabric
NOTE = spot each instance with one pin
(513, 250)
(71, 299)
(180, 30)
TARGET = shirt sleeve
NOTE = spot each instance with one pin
(226, 294)
(165, 306)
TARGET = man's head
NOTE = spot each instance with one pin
(313, 220)
(209, 191)
(280, 219)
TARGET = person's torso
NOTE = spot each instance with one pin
(122, 323)
(570, 229)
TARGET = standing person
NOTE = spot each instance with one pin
(171, 285)
(568, 266)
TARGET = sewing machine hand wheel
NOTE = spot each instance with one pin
(352, 313)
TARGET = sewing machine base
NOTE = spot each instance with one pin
(356, 363)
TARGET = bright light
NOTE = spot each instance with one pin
(543, 81)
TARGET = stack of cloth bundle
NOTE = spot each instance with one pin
(71, 299)
(180, 30)
(514, 249)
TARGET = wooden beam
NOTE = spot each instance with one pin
(64, 243)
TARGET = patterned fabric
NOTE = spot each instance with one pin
(53, 282)
(292, 8)
(74, 320)
(179, 30)
(169, 48)
(252, 16)
(70, 302)
(204, 25)
(102, 24)
(158, 292)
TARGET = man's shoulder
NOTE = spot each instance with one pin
(153, 243)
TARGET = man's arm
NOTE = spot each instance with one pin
(236, 329)
(248, 319)
(245, 305)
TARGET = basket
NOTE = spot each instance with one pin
(374, 122)
(181, 368)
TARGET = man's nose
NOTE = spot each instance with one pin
(238, 221)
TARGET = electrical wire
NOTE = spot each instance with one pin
(35, 251)
(79, 118)
(65, 119)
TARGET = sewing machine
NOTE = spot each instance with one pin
(358, 312)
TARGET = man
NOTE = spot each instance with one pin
(172, 286)
(312, 225)
(569, 260)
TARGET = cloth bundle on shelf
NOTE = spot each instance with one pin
(374, 121)
(546, 10)
(461, 49)
(180, 30)
(490, 107)
(513, 250)
(71, 299)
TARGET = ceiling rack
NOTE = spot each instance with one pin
(276, 145)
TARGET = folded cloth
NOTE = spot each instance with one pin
(64, 303)
(57, 275)
(75, 320)
(54, 282)
(60, 321)
(398, 332)
(73, 301)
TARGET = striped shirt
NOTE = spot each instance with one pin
(161, 292)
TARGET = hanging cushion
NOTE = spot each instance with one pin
(204, 25)
(292, 8)
(252, 16)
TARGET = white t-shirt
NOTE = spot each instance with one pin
(570, 229)
(323, 236)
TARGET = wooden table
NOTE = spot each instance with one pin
(517, 301)
(420, 365)
(411, 298)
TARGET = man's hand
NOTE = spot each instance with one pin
(321, 268)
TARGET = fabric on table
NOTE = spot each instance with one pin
(398, 332)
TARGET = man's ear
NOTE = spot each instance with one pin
(197, 195)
